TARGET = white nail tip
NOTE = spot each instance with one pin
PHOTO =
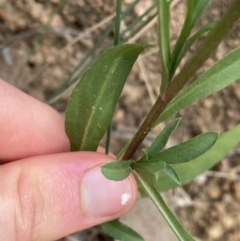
(125, 198)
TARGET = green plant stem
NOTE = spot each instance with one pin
(108, 140)
(157, 199)
(116, 41)
(211, 42)
(117, 23)
(145, 128)
(193, 64)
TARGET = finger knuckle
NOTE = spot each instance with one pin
(29, 207)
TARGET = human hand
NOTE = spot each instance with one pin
(46, 192)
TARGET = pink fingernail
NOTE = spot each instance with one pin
(103, 197)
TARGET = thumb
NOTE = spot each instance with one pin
(48, 197)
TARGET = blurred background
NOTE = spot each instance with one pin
(46, 46)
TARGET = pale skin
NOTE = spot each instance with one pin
(47, 192)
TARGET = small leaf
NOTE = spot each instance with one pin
(121, 232)
(157, 199)
(220, 75)
(164, 40)
(117, 171)
(160, 142)
(169, 171)
(91, 106)
(188, 150)
(190, 170)
(195, 10)
(145, 155)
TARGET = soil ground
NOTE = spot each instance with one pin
(208, 207)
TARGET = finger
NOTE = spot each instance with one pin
(28, 127)
(48, 197)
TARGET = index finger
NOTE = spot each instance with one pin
(28, 127)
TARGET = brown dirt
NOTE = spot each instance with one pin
(213, 211)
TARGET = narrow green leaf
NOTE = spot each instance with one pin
(220, 75)
(120, 231)
(117, 171)
(169, 171)
(189, 42)
(188, 150)
(161, 140)
(174, 224)
(116, 39)
(195, 10)
(190, 170)
(93, 101)
(123, 150)
(164, 40)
